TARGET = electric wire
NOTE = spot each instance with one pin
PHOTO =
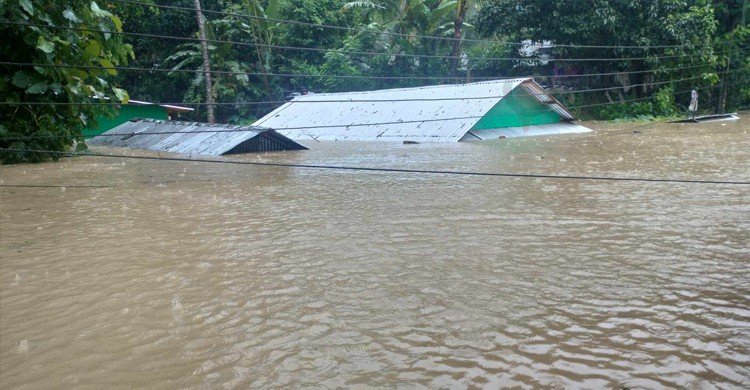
(392, 170)
(53, 186)
(634, 129)
(564, 92)
(364, 53)
(389, 33)
(245, 129)
(309, 75)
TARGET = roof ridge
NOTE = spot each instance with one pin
(198, 124)
(439, 86)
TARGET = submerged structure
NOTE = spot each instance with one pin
(441, 113)
(710, 118)
(194, 138)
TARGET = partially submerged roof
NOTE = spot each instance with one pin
(441, 113)
(710, 118)
(194, 138)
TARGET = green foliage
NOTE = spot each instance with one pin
(687, 24)
(230, 82)
(734, 87)
(484, 66)
(151, 53)
(57, 125)
(631, 23)
(423, 17)
(661, 105)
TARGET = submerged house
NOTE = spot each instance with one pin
(441, 113)
(194, 138)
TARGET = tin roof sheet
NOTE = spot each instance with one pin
(183, 137)
(442, 113)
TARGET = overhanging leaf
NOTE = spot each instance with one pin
(92, 50)
(122, 95)
(117, 22)
(21, 79)
(37, 88)
(107, 64)
(70, 15)
(45, 45)
(27, 6)
(98, 11)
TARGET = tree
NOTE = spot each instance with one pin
(263, 26)
(51, 104)
(411, 21)
(733, 44)
(626, 26)
(457, 34)
(230, 81)
(206, 62)
(152, 86)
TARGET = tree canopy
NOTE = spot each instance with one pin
(62, 100)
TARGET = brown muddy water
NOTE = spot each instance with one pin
(195, 275)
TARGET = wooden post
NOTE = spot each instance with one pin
(206, 63)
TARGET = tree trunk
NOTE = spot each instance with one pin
(206, 63)
(457, 27)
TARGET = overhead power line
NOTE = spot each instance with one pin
(379, 100)
(621, 132)
(316, 49)
(402, 35)
(391, 170)
(240, 130)
(309, 75)
(52, 186)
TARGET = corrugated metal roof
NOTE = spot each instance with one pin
(194, 138)
(405, 114)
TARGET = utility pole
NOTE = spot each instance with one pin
(206, 62)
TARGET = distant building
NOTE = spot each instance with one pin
(136, 109)
(195, 139)
(441, 113)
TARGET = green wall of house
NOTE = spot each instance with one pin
(517, 109)
(126, 113)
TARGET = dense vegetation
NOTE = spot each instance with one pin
(390, 43)
(54, 119)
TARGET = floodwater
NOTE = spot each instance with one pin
(197, 275)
